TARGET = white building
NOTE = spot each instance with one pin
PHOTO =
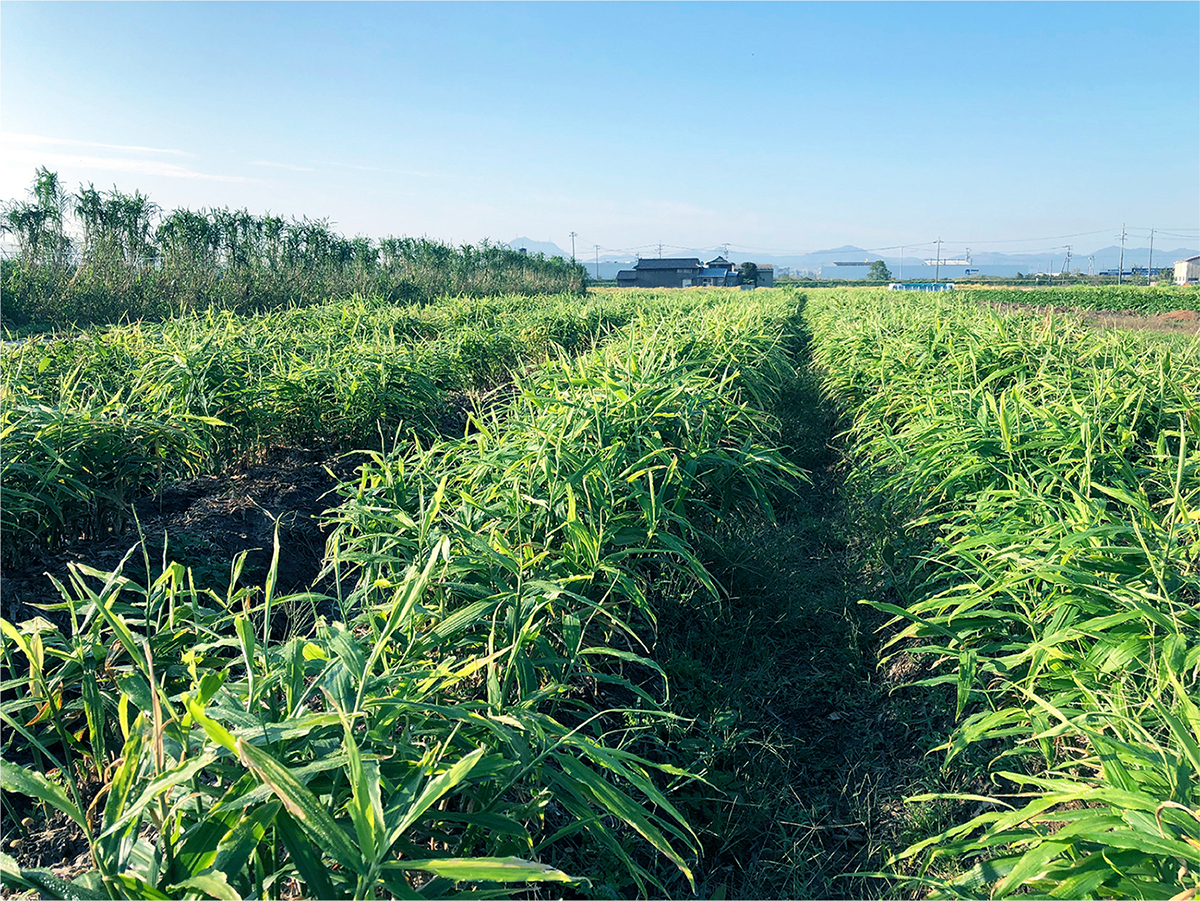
(1187, 272)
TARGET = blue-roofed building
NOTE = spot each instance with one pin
(719, 273)
(717, 277)
(686, 272)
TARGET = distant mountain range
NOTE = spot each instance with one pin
(821, 261)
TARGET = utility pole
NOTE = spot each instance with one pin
(1121, 264)
(572, 247)
(901, 262)
(597, 262)
(1092, 264)
(1151, 260)
(660, 251)
(937, 268)
(1066, 262)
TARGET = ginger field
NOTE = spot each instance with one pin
(696, 593)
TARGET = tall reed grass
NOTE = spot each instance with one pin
(132, 263)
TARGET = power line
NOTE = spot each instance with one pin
(915, 246)
(1048, 238)
(1161, 231)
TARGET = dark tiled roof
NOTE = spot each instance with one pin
(626, 274)
(669, 263)
(714, 273)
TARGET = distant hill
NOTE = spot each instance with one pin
(548, 248)
(912, 266)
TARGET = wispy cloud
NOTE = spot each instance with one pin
(42, 141)
(287, 166)
(149, 167)
(411, 172)
(113, 164)
(30, 151)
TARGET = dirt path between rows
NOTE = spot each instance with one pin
(814, 745)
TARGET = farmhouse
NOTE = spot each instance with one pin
(680, 272)
(1187, 272)
(663, 272)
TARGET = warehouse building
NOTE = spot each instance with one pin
(1187, 272)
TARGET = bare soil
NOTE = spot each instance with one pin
(210, 519)
(207, 521)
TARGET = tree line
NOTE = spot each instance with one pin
(102, 256)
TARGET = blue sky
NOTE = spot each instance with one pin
(779, 127)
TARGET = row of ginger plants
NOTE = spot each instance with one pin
(90, 423)
(474, 708)
(1044, 482)
(1149, 301)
